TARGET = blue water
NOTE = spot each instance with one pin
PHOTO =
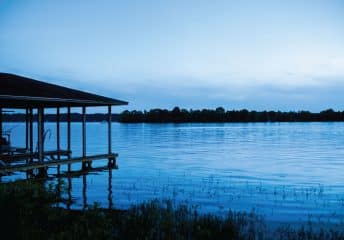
(287, 172)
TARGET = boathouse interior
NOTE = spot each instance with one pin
(35, 97)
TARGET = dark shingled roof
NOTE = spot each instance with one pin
(21, 92)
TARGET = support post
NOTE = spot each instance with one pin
(69, 136)
(0, 122)
(40, 134)
(58, 145)
(84, 164)
(0, 130)
(31, 133)
(27, 132)
(109, 130)
(111, 162)
(27, 129)
(40, 126)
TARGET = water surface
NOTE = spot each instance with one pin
(288, 172)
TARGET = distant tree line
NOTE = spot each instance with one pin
(177, 115)
(75, 117)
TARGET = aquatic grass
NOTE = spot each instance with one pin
(29, 210)
(307, 232)
(164, 220)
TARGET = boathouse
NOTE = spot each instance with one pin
(33, 96)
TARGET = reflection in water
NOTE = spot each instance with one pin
(69, 193)
(62, 184)
(284, 171)
(69, 189)
(110, 189)
(58, 189)
(84, 191)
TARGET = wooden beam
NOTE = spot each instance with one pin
(79, 173)
(22, 156)
(84, 135)
(27, 128)
(40, 134)
(69, 144)
(58, 144)
(31, 132)
(84, 131)
(35, 165)
(109, 130)
(0, 121)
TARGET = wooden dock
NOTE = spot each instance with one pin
(14, 157)
(34, 97)
(37, 165)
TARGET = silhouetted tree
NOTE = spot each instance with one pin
(177, 115)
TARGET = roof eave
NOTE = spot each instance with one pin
(37, 101)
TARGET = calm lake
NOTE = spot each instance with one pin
(287, 172)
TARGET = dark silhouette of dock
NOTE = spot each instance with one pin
(17, 92)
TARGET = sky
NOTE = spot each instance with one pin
(258, 55)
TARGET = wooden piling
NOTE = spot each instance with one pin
(58, 144)
(0, 122)
(111, 162)
(31, 132)
(69, 135)
(40, 127)
(84, 164)
(27, 129)
(40, 134)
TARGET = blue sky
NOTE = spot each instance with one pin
(275, 55)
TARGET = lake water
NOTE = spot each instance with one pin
(287, 172)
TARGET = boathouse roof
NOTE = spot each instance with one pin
(21, 92)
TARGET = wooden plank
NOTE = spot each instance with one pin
(23, 156)
(78, 173)
(56, 152)
(16, 157)
(96, 157)
(24, 167)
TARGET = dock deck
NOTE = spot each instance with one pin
(36, 165)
